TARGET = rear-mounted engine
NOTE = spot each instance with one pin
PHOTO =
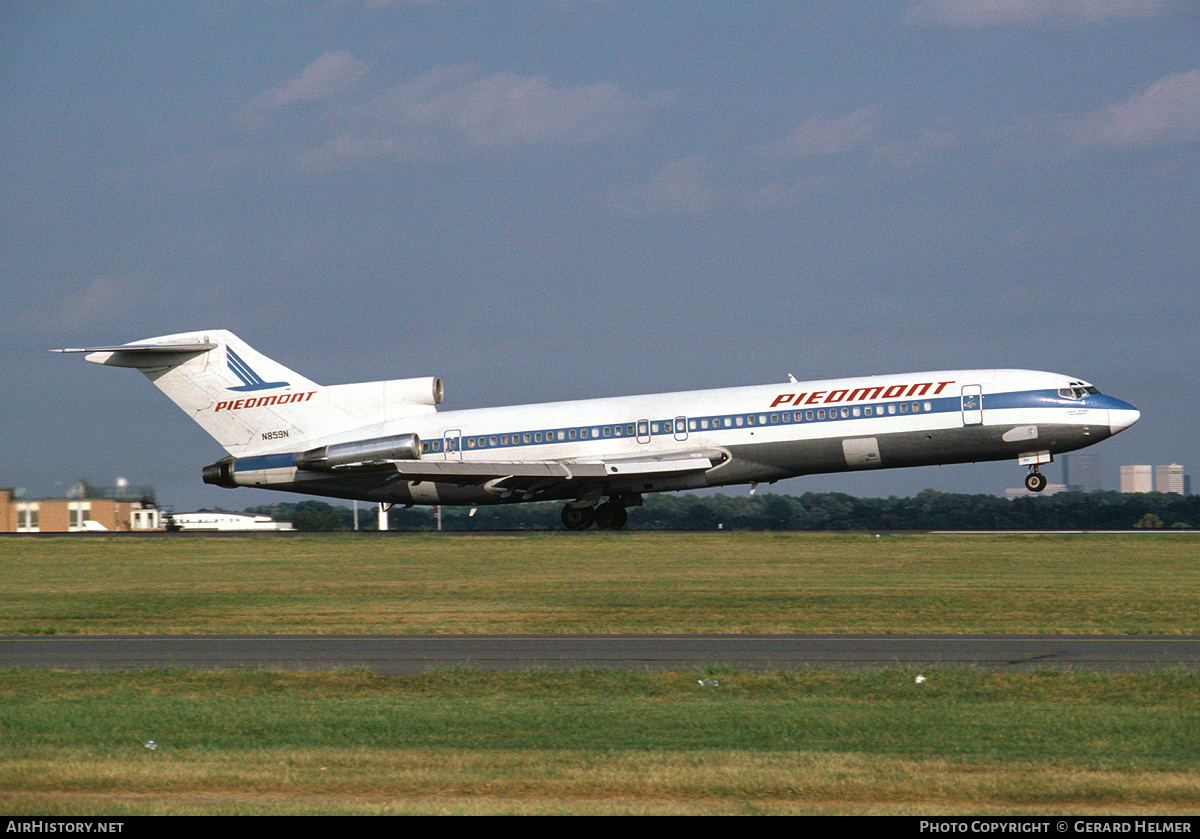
(377, 450)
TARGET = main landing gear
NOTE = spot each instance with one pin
(1035, 481)
(610, 515)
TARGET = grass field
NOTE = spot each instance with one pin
(595, 582)
(597, 741)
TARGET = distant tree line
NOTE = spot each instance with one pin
(929, 510)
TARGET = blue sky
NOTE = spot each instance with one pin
(555, 199)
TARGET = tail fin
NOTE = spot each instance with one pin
(251, 404)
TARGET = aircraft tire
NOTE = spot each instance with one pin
(578, 518)
(1035, 482)
(611, 516)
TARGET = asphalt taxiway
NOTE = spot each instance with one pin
(398, 654)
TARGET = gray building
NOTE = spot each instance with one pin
(1081, 472)
(1169, 478)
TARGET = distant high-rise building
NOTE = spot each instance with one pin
(1168, 478)
(1137, 478)
(1081, 472)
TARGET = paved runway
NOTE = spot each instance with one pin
(395, 654)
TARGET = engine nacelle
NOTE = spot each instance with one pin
(325, 458)
(220, 473)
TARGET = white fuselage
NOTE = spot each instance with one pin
(757, 434)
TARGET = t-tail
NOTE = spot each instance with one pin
(251, 404)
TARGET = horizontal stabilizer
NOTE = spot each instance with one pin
(143, 348)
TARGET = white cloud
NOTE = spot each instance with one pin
(818, 137)
(927, 144)
(331, 75)
(782, 195)
(676, 189)
(682, 187)
(1166, 112)
(102, 301)
(358, 117)
(982, 13)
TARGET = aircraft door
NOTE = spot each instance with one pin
(681, 428)
(453, 446)
(972, 405)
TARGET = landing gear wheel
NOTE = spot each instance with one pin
(611, 516)
(578, 518)
(1035, 482)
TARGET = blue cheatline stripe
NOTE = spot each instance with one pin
(250, 379)
(716, 423)
(266, 461)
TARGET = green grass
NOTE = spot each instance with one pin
(595, 582)
(598, 741)
(462, 741)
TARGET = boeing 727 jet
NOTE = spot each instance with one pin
(387, 442)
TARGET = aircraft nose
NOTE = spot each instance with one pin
(1121, 418)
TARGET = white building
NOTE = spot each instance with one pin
(227, 521)
(1022, 492)
(1137, 478)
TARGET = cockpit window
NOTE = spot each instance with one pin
(1077, 391)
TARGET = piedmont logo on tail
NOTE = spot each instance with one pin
(387, 442)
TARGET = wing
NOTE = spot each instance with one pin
(554, 478)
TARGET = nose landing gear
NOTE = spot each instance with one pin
(1035, 481)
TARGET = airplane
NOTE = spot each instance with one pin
(387, 442)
